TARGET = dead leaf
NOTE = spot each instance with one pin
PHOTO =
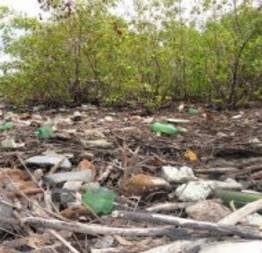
(191, 155)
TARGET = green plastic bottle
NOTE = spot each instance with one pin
(6, 126)
(193, 111)
(45, 132)
(164, 128)
(99, 199)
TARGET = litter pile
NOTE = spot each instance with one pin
(185, 179)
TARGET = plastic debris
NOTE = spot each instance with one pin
(45, 132)
(232, 247)
(193, 191)
(100, 200)
(100, 143)
(6, 126)
(178, 174)
(181, 107)
(109, 118)
(63, 196)
(192, 111)
(77, 116)
(10, 143)
(50, 160)
(178, 121)
(163, 128)
(73, 185)
(83, 176)
(238, 198)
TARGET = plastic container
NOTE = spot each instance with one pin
(164, 128)
(99, 199)
(45, 132)
(6, 126)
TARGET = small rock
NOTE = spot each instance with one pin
(83, 176)
(101, 143)
(207, 210)
(176, 174)
(73, 185)
(49, 161)
(193, 191)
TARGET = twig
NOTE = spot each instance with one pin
(94, 229)
(189, 223)
(63, 241)
(168, 206)
(241, 213)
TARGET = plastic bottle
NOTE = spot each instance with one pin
(164, 128)
(99, 199)
(6, 126)
(45, 132)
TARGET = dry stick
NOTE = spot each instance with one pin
(94, 229)
(189, 223)
(62, 240)
(168, 206)
(241, 213)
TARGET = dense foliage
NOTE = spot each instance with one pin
(86, 53)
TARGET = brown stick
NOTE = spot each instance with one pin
(93, 229)
(189, 223)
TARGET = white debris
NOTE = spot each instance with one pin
(234, 247)
(10, 143)
(50, 160)
(254, 219)
(200, 190)
(193, 191)
(178, 121)
(73, 185)
(228, 184)
(100, 143)
(178, 174)
(109, 118)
